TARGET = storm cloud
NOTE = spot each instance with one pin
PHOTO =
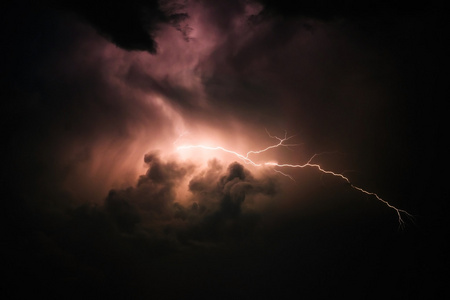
(107, 193)
(222, 203)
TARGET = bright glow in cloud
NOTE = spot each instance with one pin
(205, 95)
(277, 167)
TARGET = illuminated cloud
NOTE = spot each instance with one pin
(223, 202)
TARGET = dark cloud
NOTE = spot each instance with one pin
(131, 25)
(154, 195)
(193, 248)
(222, 204)
(120, 247)
(225, 203)
(327, 10)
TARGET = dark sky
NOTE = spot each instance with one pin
(100, 201)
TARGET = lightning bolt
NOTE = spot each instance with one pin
(282, 142)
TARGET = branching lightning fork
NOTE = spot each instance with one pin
(282, 142)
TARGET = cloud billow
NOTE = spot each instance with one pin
(216, 209)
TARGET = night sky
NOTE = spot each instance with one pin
(106, 193)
